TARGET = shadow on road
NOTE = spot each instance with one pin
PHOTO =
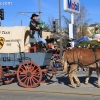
(65, 80)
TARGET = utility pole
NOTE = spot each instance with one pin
(57, 25)
(0, 23)
(60, 28)
(21, 23)
(39, 10)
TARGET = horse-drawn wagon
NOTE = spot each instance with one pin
(17, 60)
(20, 60)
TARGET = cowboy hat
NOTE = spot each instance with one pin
(33, 15)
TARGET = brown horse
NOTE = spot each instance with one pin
(85, 58)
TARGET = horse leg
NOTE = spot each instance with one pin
(98, 74)
(72, 72)
(89, 75)
(77, 79)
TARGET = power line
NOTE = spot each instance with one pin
(21, 12)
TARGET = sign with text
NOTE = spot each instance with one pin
(72, 6)
(11, 37)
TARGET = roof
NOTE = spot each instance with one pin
(93, 25)
(96, 36)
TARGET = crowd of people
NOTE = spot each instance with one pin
(56, 52)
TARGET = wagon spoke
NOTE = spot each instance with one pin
(35, 73)
(33, 68)
(35, 79)
(22, 75)
(30, 81)
(25, 81)
(22, 70)
(30, 63)
(23, 78)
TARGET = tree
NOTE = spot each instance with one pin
(46, 28)
(81, 21)
(67, 22)
(50, 22)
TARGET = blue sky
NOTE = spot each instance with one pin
(48, 7)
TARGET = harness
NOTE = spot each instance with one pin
(94, 50)
(80, 64)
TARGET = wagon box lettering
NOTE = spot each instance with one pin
(5, 32)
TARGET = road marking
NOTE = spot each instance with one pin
(38, 91)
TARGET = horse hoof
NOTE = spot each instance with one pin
(86, 83)
(78, 85)
(98, 86)
(74, 86)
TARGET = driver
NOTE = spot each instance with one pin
(35, 30)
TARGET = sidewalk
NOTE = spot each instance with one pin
(60, 85)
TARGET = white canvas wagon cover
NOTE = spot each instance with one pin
(10, 36)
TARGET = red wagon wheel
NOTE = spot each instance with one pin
(29, 74)
(1, 76)
(9, 77)
(0, 72)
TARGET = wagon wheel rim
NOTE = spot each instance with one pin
(29, 74)
(8, 78)
(0, 72)
(1, 82)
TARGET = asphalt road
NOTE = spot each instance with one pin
(42, 96)
(57, 89)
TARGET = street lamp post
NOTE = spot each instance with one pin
(60, 27)
(15, 19)
(39, 10)
(21, 20)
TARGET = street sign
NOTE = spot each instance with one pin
(72, 6)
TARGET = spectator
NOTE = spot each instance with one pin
(88, 46)
(47, 37)
(69, 45)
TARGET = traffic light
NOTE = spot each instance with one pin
(55, 26)
(2, 14)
